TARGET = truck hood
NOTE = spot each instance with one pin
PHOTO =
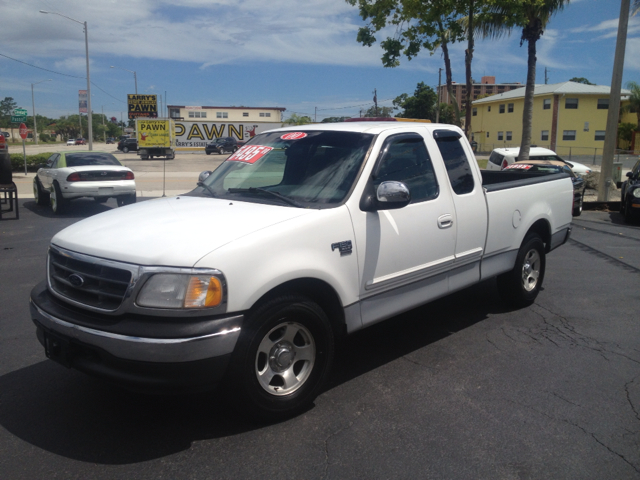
(175, 231)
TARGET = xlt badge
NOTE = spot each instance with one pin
(344, 247)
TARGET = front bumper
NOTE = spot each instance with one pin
(137, 360)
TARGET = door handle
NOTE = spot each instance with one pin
(445, 221)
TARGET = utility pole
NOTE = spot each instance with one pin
(315, 116)
(375, 99)
(438, 96)
(605, 181)
(546, 77)
(104, 130)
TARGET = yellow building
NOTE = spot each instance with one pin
(567, 117)
(226, 114)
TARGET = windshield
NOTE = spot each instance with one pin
(314, 169)
(88, 158)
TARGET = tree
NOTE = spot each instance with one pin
(296, 119)
(447, 114)
(581, 80)
(634, 99)
(6, 107)
(420, 24)
(625, 134)
(421, 105)
(532, 16)
(382, 112)
(334, 119)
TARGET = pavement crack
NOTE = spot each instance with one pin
(492, 343)
(325, 473)
(565, 400)
(628, 394)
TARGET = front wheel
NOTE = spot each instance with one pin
(42, 197)
(520, 286)
(125, 149)
(282, 357)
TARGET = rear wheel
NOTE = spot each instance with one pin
(125, 149)
(58, 202)
(282, 357)
(577, 210)
(123, 200)
(42, 197)
(521, 286)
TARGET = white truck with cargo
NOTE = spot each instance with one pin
(302, 236)
(156, 138)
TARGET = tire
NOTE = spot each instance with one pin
(124, 200)
(282, 358)
(207, 152)
(125, 149)
(520, 287)
(144, 157)
(577, 211)
(42, 197)
(58, 202)
(234, 149)
(171, 156)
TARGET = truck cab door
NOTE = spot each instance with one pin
(469, 205)
(404, 254)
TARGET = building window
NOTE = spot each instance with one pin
(544, 135)
(192, 114)
(599, 135)
(203, 114)
(500, 135)
(261, 114)
(245, 114)
(501, 108)
(487, 134)
(569, 135)
(489, 108)
(546, 104)
(603, 104)
(267, 114)
(510, 107)
(571, 103)
(474, 111)
(509, 135)
(222, 114)
(174, 113)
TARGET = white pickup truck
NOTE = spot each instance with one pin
(302, 236)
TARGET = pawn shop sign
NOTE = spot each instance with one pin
(23, 131)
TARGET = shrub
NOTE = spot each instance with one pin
(17, 161)
(44, 137)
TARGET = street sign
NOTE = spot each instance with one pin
(18, 118)
(23, 131)
(19, 112)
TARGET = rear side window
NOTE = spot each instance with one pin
(496, 158)
(456, 162)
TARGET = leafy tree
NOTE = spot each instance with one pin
(296, 119)
(421, 105)
(581, 80)
(447, 114)
(6, 107)
(382, 112)
(625, 133)
(420, 24)
(532, 16)
(334, 119)
(634, 99)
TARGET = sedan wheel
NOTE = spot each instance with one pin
(42, 197)
(125, 149)
(58, 203)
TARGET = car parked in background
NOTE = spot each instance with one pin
(71, 175)
(630, 195)
(547, 167)
(127, 145)
(71, 141)
(81, 141)
(110, 140)
(223, 145)
(5, 134)
(501, 157)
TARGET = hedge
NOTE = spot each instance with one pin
(17, 161)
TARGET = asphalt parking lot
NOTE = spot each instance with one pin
(461, 388)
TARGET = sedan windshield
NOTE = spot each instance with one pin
(91, 158)
(309, 169)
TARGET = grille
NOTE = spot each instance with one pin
(88, 283)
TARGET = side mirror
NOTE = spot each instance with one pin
(388, 196)
(203, 175)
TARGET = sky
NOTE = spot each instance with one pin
(299, 55)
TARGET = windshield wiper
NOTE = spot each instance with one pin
(209, 189)
(284, 198)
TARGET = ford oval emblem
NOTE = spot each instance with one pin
(75, 280)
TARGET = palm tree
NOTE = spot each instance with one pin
(532, 16)
(634, 98)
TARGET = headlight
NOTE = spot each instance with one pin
(170, 290)
(636, 192)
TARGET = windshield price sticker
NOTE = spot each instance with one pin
(293, 136)
(249, 154)
(519, 167)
